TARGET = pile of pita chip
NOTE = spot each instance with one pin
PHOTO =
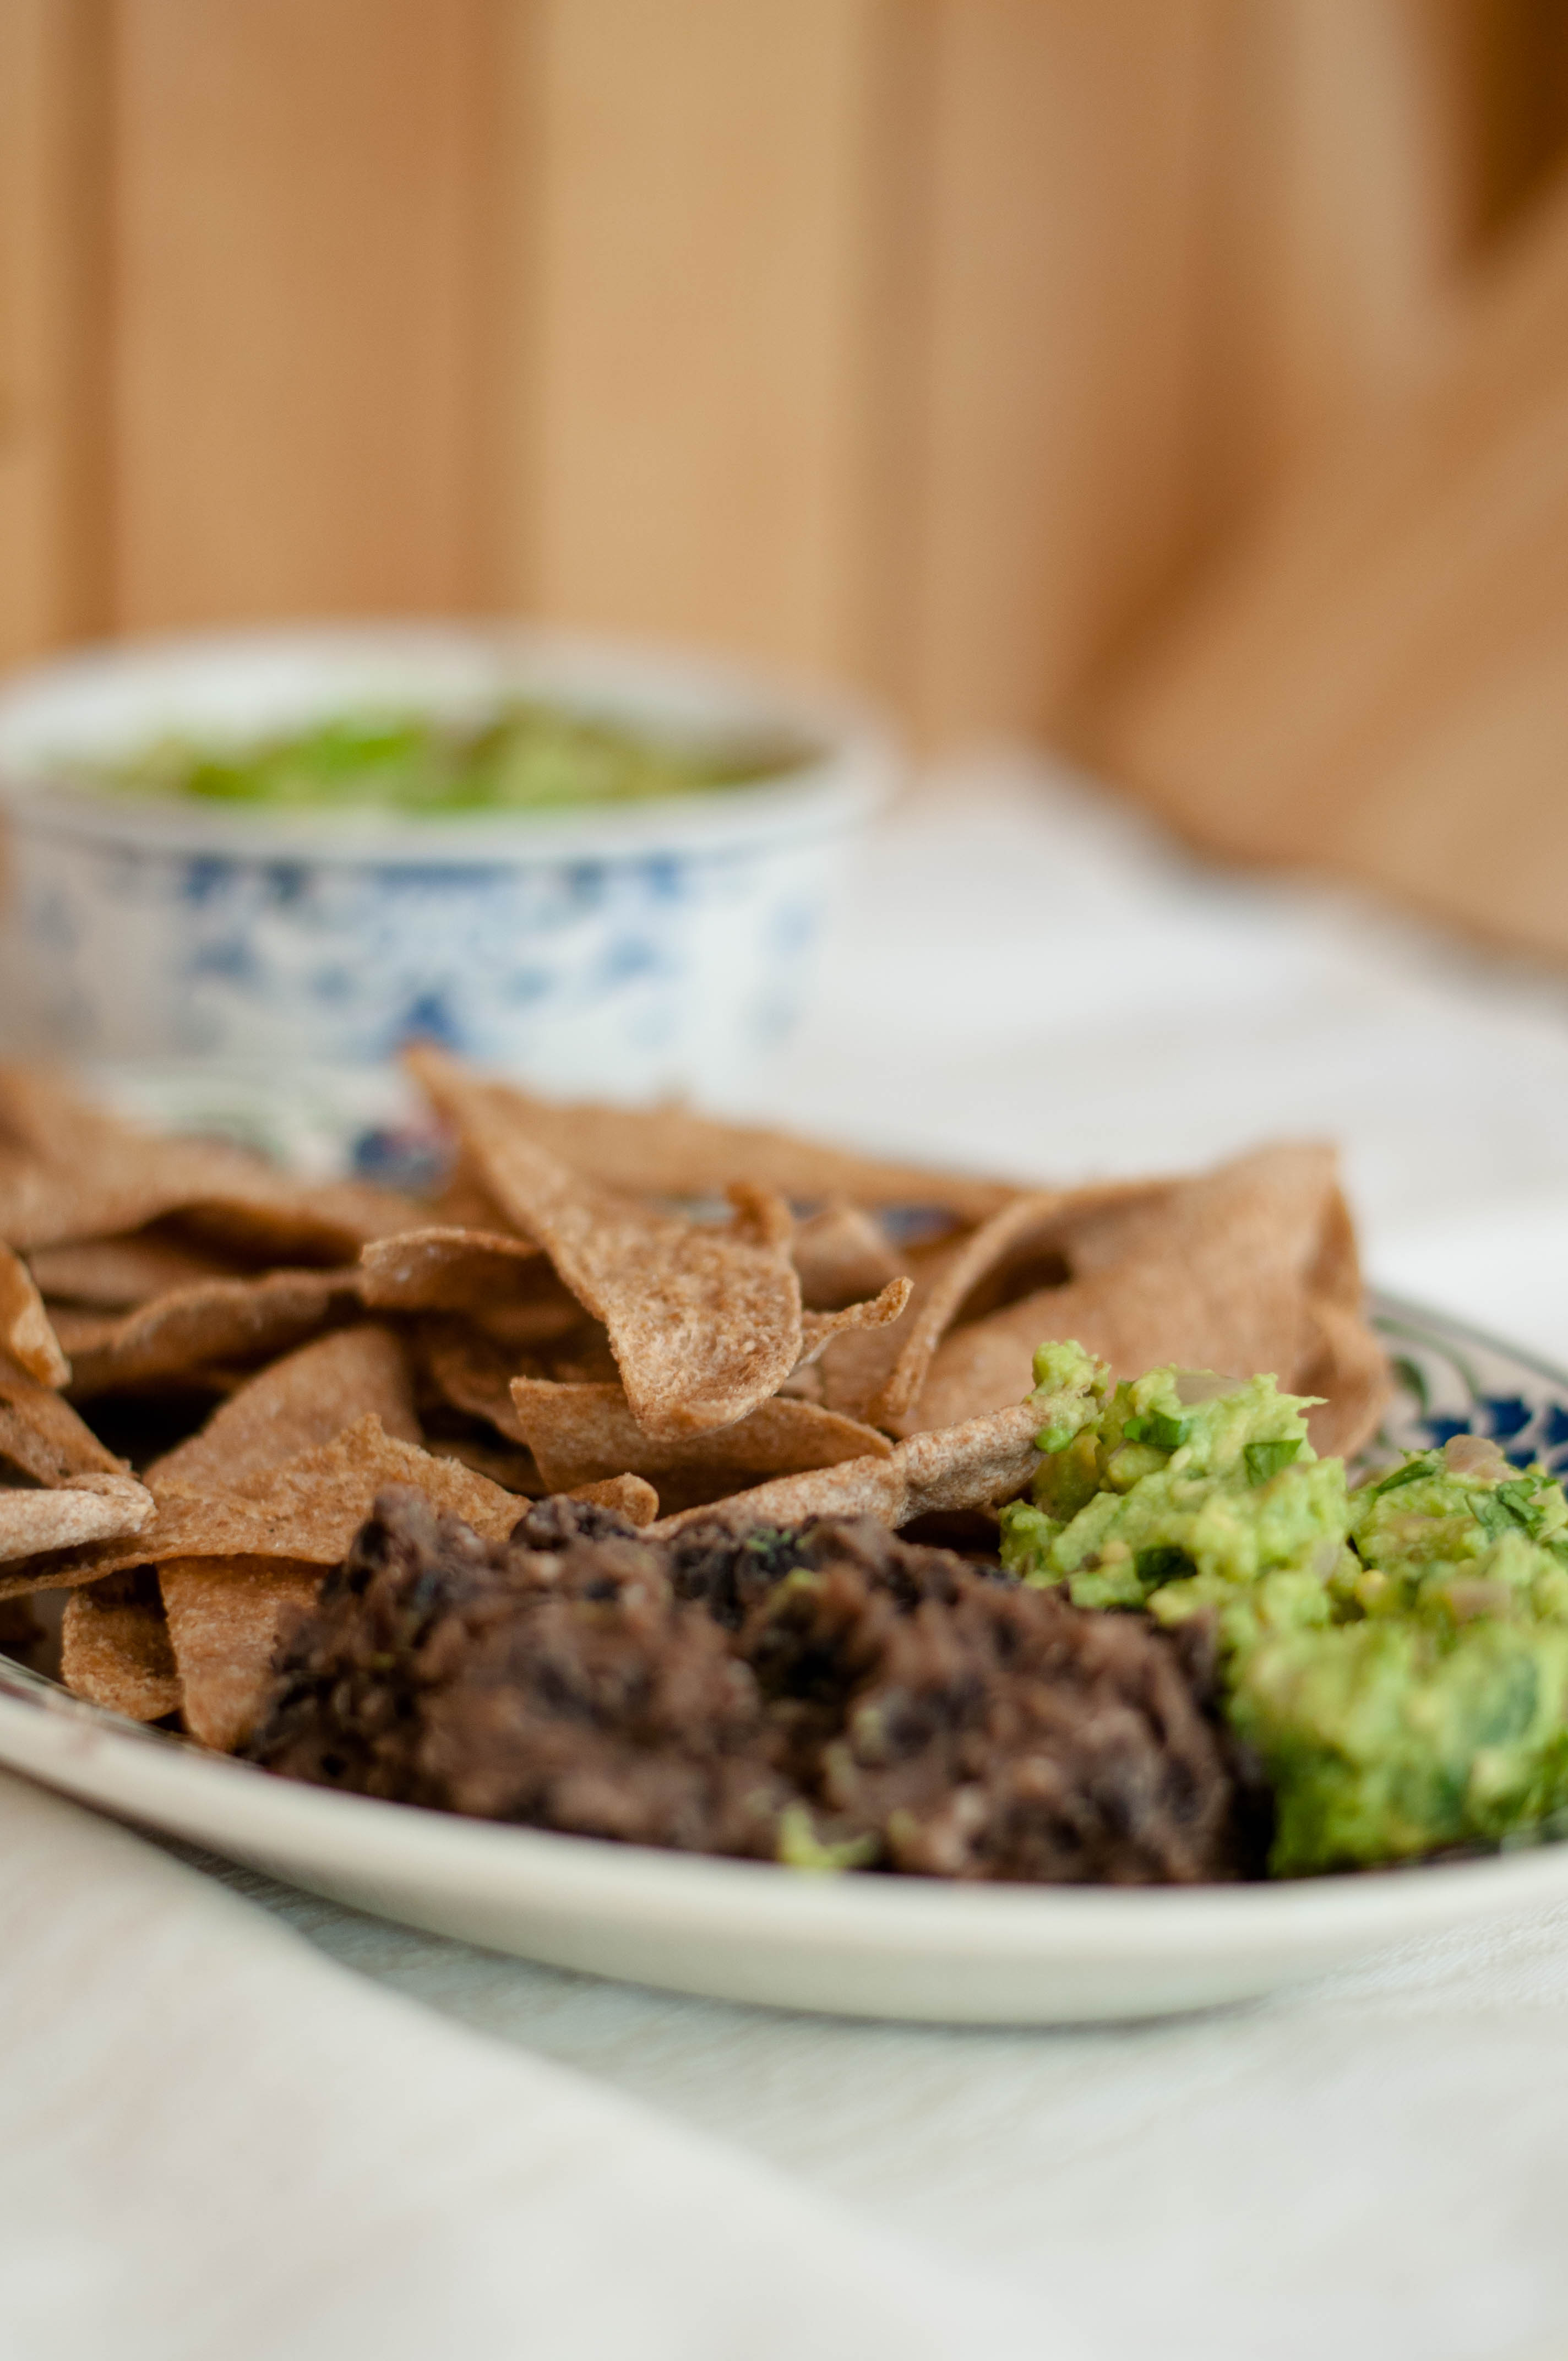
(209, 1368)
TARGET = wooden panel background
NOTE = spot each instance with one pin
(937, 343)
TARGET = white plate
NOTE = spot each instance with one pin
(857, 1946)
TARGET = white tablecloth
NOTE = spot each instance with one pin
(1376, 2168)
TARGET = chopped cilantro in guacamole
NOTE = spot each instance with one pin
(525, 756)
(1395, 1655)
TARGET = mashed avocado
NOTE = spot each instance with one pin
(1397, 1655)
(526, 756)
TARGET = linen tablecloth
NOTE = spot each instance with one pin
(211, 2141)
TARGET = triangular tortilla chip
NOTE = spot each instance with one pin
(580, 1434)
(668, 1151)
(628, 1496)
(83, 1508)
(226, 1616)
(704, 1323)
(307, 1510)
(843, 1255)
(505, 1282)
(69, 1169)
(295, 1405)
(25, 1331)
(42, 1437)
(1213, 1272)
(114, 1648)
(219, 1321)
(974, 1466)
(116, 1274)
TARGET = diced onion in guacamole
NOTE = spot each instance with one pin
(1395, 1655)
(524, 756)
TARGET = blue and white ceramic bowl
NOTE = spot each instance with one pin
(625, 950)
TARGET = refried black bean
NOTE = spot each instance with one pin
(942, 1719)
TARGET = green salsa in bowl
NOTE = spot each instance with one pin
(601, 867)
(526, 754)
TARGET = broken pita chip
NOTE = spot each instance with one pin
(218, 1320)
(1212, 1272)
(817, 1328)
(578, 1433)
(117, 1274)
(667, 1151)
(83, 1508)
(25, 1331)
(294, 1405)
(226, 1617)
(114, 1647)
(69, 1169)
(626, 1496)
(42, 1437)
(976, 1466)
(843, 1256)
(704, 1323)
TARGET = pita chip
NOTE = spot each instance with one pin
(218, 1322)
(579, 1433)
(226, 1616)
(115, 1649)
(25, 1331)
(705, 1322)
(296, 1404)
(504, 1282)
(83, 1508)
(1214, 1273)
(974, 1466)
(41, 1437)
(627, 1496)
(69, 1169)
(668, 1151)
(116, 1274)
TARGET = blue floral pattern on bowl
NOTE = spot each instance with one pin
(1453, 1380)
(658, 971)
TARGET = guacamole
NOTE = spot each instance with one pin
(1395, 1655)
(525, 756)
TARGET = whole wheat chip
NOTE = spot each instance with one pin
(471, 1372)
(115, 1649)
(226, 1616)
(887, 1381)
(974, 1466)
(668, 1151)
(116, 1274)
(817, 1328)
(83, 1508)
(704, 1323)
(628, 1496)
(1348, 1368)
(504, 1281)
(1215, 1272)
(295, 1404)
(578, 1433)
(843, 1255)
(42, 1437)
(69, 1169)
(25, 1331)
(221, 1320)
(308, 1510)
